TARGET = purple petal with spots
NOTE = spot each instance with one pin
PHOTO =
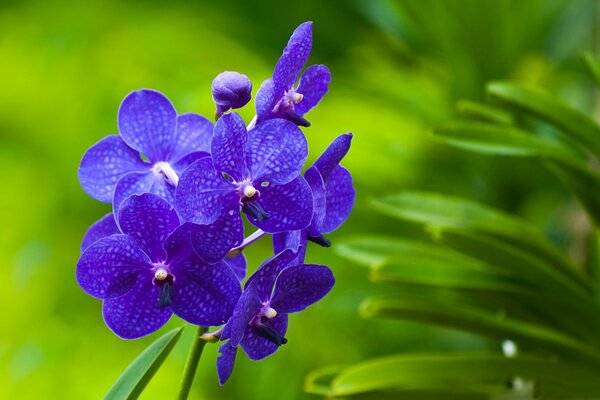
(263, 280)
(332, 155)
(225, 362)
(228, 146)
(110, 266)
(102, 228)
(300, 286)
(149, 219)
(313, 86)
(266, 98)
(294, 240)
(147, 122)
(104, 163)
(294, 56)
(317, 186)
(340, 199)
(258, 347)
(276, 151)
(246, 308)
(188, 160)
(213, 241)
(139, 183)
(136, 313)
(290, 206)
(193, 133)
(204, 294)
(203, 195)
(238, 265)
(179, 244)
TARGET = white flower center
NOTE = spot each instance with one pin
(249, 190)
(270, 313)
(161, 274)
(163, 167)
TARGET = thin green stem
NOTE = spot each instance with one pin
(189, 372)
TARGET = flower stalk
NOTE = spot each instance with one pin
(191, 364)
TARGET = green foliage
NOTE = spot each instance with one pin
(137, 375)
(488, 272)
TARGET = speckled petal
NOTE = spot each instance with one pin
(203, 195)
(110, 266)
(340, 199)
(258, 347)
(238, 265)
(333, 155)
(188, 160)
(294, 240)
(178, 244)
(104, 163)
(300, 286)
(263, 280)
(139, 183)
(290, 206)
(317, 186)
(225, 362)
(266, 98)
(294, 56)
(102, 228)
(276, 151)
(149, 219)
(228, 146)
(136, 313)
(204, 294)
(193, 133)
(246, 308)
(147, 122)
(313, 86)
(213, 241)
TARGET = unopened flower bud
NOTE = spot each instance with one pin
(230, 90)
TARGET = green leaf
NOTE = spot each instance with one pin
(425, 375)
(485, 112)
(134, 379)
(461, 315)
(593, 65)
(576, 124)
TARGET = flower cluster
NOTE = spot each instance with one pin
(179, 187)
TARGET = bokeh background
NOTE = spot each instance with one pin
(398, 69)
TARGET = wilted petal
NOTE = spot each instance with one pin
(313, 86)
(294, 56)
(317, 186)
(139, 183)
(213, 241)
(204, 294)
(147, 122)
(149, 219)
(276, 151)
(332, 155)
(290, 206)
(225, 362)
(110, 266)
(300, 286)
(136, 313)
(193, 133)
(228, 146)
(263, 280)
(203, 195)
(340, 199)
(247, 307)
(258, 347)
(102, 228)
(104, 163)
(238, 265)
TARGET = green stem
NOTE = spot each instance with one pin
(189, 372)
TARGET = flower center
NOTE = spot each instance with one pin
(164, 280)
(260, 324)
(164, 168)
(287, 102)
(249, 201)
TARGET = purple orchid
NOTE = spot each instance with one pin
(278, 97)
(230, 90)
(333, 195)
(112, 169)
(149, 272)
(257, 172)
(260, 318)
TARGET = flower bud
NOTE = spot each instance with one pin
(230, 90)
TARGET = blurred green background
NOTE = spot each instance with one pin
(398, 68)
